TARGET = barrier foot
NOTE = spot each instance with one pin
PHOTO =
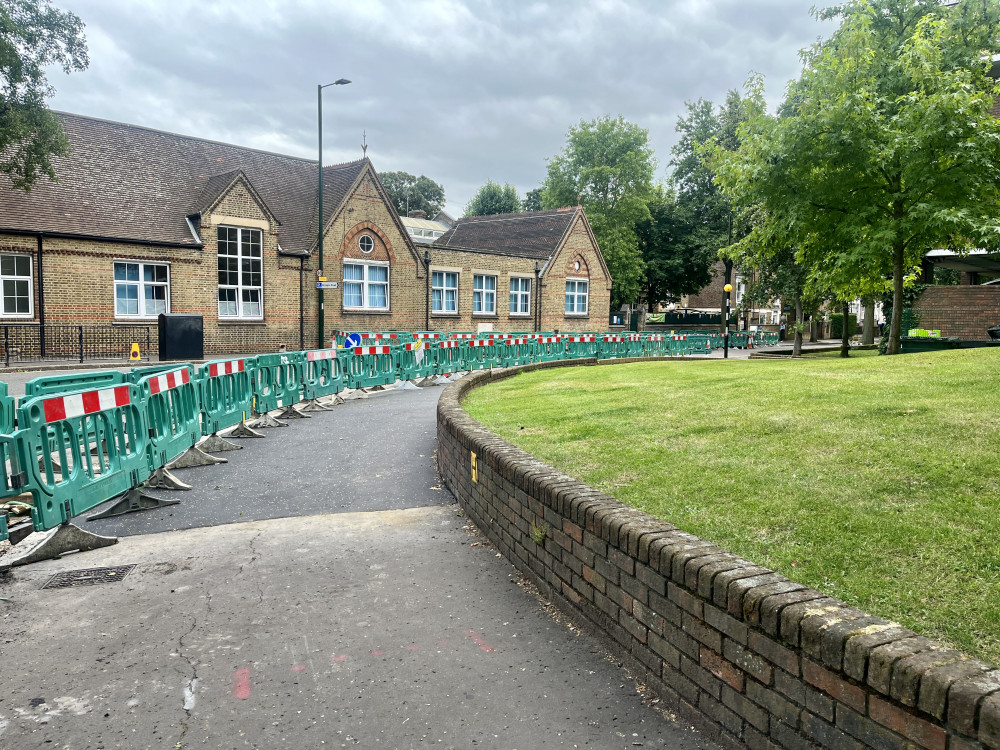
(351, 394)
(315, 405)
(377, 388)
(406, 385)
(131, 502)
(442, 380)
(195, 457)
(292, 412)
(266, 420)
(242, 431)
(216, 444)
(426, 382)
(162, 479)
(46, 545)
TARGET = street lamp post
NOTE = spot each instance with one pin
(319, 222)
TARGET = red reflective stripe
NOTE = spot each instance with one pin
(154, 385)
(122, 396)
(171, 380)
(91, 402)
(55, 409)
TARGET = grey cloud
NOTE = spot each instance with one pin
(458, 90)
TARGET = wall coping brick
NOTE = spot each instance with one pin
(836, 665)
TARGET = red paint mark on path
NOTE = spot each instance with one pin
(479, 641)
(339, 657)
(442, 643)
(299, 668)
(413, 647)
(241, 684)
(377, 652)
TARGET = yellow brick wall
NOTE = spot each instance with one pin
(578, 247)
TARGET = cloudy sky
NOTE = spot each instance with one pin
(459, 90)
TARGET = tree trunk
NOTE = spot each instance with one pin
(845, 331)
(797, 345)
(812, 328)
(896, 324)
(868, 331)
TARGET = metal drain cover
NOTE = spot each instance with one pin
(88, 577)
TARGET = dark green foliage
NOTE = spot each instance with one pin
(837, 325)
(533, 200)
(409, 193)
(33, 37)
(494, 198)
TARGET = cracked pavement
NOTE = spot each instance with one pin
(387, 628)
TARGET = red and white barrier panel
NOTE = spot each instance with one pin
(169, 380)
(226, 368)
(462, 336)
(613, 339)
(590, 339)
(517, 342)
(427, 335)
(679, 338)
(550, 340)
(656, 337)
(481, 342)
(413, 346)
(80, 404)
(450, 344)
(362, 350)
(499, 335)
(319, 354)
(386, 336)
(634, 337)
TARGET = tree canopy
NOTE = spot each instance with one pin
(533, 200)
(410, 193)
(888, 148)
(33, 36)
(607, 167)
(494, 198)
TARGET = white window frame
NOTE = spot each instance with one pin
(516, 313)
(577, 295)
(241, 286)
(365, 284)
(140, 285)
(443, 289)
(15, 278)
(485, 295)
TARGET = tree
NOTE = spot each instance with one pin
(494, 198)
(409, 193)
(890, 148)
(678, 260)
(607, 167)
(33, 35)
(533, 200)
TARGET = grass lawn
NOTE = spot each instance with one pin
(873, 479)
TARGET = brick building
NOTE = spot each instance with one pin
(142, 222)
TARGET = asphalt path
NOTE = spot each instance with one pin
(365, 455)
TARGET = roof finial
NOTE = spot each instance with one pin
(364, 144)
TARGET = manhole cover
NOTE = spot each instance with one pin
(88, 577)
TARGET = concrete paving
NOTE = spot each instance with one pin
(396, 627)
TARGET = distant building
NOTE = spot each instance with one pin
(423, 231)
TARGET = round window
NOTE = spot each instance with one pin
(577, 265)
(366, 243)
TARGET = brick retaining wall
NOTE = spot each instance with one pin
(751, 658)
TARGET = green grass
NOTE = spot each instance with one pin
(874, 479)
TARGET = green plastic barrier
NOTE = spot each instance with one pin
(322, 374)
(678, 345)
(7, 411)
(51, 385)
(519, 351)
(414, 360)
(393, 337)
(277, 380)
(481, 354)
(653, 345)
(550, 348)
(449, 356)
(581, 345)
(699, 344)
(739, 339)
(226, 390)
(429, 335)
(80, 449)
(368, 366)
(612, 346)
(173, 413)
(3, 528)
(12, 479)
(463, 335)
(633, 345)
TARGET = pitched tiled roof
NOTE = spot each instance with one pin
(529, 234)
(132, 183)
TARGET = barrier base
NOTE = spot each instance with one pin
(133, 501)
(163, 480)
(216, 444)
(351, 394)
(46, 545)
(315, 405)
(195, 457)
(442, 380)
(266, 420)
(242, 431)
(406, 385)
(378, 388)
(293, 412)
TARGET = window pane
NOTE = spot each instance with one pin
(119, 272)
(581, 287)
(477, 302)
(378, 273)
(437, 279)
(436, 300)
(156, 300)
(22, 265)
(353, 272)
(227, 302)
(352, 294)
(7, 265)
(251, 303)
(132, 271)
(477, 282)
(450, 300)
(491, 283)
(22, 306)
(377, 295)
(451, 280)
